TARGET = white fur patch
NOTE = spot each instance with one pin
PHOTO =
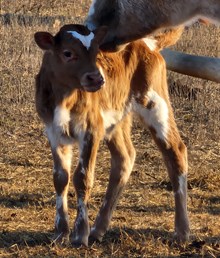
(66, 159)
(58, 131)
(157, 116)
(150, 42)
(61, 201)
(182, 186)
(55, 137)
(111, 118)
(85, 39)
(62, 119)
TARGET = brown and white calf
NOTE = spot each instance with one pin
(133, 19)
(85, 96)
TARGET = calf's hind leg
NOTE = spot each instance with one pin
(175, 156)
(158, 116)
(122, 160)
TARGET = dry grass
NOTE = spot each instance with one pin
(142, 225)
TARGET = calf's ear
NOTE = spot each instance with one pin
(44, 40)
(100, 34)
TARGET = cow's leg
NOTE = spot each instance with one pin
(122, 160)
(62, 155)
(83, 182)
(157, 114)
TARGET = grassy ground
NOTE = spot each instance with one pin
(142, 224)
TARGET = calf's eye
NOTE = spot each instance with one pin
(67, 53)
(69, 56)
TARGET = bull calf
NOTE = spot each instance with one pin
(85, 96)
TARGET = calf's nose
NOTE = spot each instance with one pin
(92, 81)
(94, 77)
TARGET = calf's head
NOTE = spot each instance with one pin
(72, 56)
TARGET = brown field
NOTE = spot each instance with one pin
(142, 225)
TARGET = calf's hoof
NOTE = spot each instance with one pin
(80, 236)
(95, 236)
(80, 241)
(182, 237)
(61, 239)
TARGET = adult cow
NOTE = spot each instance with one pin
(128, 20)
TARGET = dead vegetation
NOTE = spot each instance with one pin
(142, 224)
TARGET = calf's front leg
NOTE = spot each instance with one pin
(122, 160)
(83, 181)
(62, 155)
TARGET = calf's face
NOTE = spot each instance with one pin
(72, 60)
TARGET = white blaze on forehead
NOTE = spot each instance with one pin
(85, 39)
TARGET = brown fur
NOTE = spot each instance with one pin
(168, 37)
(72, 113)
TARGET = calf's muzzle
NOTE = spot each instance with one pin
(92, 81)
